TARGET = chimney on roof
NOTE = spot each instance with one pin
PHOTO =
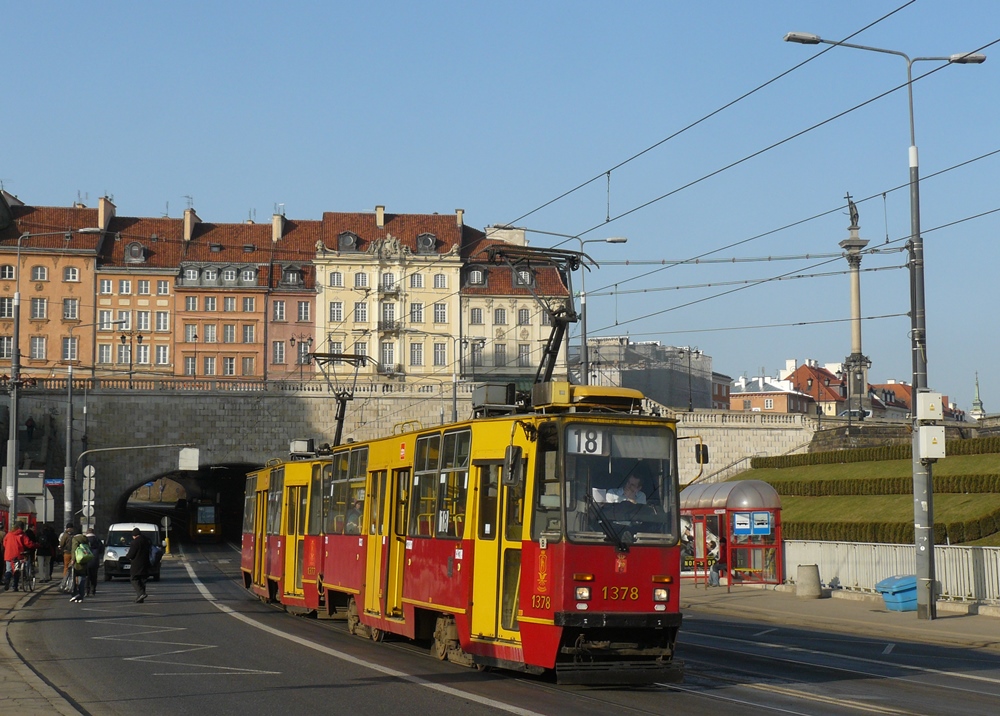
(460, 217)
(105, 212)
(277, 226)
(190, 219)
(380, 216)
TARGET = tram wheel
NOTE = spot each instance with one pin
(378, 636)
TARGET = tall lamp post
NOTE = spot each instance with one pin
(130, 339)
(584, 348)
(923, 505)
(689, 352)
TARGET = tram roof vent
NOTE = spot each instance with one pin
(494, 399)
(560, 395)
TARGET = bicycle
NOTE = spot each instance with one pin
(24, 574)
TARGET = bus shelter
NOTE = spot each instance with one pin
(737, 521)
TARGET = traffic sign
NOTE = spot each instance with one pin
(88, 510)
(165, 522)
(88, 471)
(88, 496)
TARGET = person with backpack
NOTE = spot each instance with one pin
(67, 555)
(94, 566)
(82, 557)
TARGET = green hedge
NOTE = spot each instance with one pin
(975, 446)
(891, 532)
(947, 484)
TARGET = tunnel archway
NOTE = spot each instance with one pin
(221, 485)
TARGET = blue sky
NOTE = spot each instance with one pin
(499, 108)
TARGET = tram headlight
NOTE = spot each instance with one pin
(661, 594)
(583, 594)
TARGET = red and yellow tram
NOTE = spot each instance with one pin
(533, 541)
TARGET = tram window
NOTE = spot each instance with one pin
(336, 492)
(316, 504)
(402, 500)
(359, 463)
(426, 459)
(547, 520)
(378, 486)
(249, 500)
(354, 500)
(274, 495)
(514, 513)
(422, 501)
(489, 494)
(510, 589)
(454, 489)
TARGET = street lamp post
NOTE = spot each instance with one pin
(689, 352)
(584, 348)
(131, 339)
(923, 507)
(302, 356)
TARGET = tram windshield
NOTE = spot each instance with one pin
(620, 484)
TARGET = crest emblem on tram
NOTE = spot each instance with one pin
(621, 563)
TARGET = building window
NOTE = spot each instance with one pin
(70, 274)
(500, 316)
(248, 305)
(124, 320)
(361, 312)
(142, 354)
(190, 274)
(142, 320)
(71, 309)
(229, 275)
(302, 353)
(105, 286)
(6, 350)
(416, 313)
(123, 354)
(104, 353)
(524, 278)
(768, 403)
(388, 281)
(389, 312)
(190, 365)
(500, 355)
(440, 354)
(388, 355)
(360, 280)
(104, 321)
(209, 365)
(38, 348)
(361, 348)
(69, 346)
(416, 280)
(210, 275)
(190, 333)
(523, 317)
(247, 365)
(39, 273)
(477, 354)
(190, 303)
(163, 320)
(39, 308)
(228, 366)
(336, 311)
(304, 312)
(523, 355)
(747, 405)
(124, 287)
(440, 313)
(336, 346)
(278, 352)
(248, 276)
(210, 303)
(143, 287)
(292, 276)
(229, 304)
(477, 277)
(248, 334)
(278, 311)
(162, 355)
(210, 333)
(7, 307)
(7, 271)
(416, 354)
(475, 316)
(336, 279)
(229, 333)
(162, 288)
(440, 280)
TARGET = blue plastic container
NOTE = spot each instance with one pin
(899, 593)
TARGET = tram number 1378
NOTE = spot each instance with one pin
(620, 593)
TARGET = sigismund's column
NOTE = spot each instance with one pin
(857, 364)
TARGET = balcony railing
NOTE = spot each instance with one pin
(390, 326)
(390, 369)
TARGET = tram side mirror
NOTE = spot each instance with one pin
(513, 461)
(701, 454)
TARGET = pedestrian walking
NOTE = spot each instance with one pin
(138, 556)
(15, 545)
(67, 555)
(93, 568)
(48, 544)
(82, 557)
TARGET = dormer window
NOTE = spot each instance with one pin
(135, 253)
(190, 274)
(291, 276)
(248, 276)
(348, 241)
(426, 243)
(229, 275)
(477, 277)
(524, 278)
(211, 275)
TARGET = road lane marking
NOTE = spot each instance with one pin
(509, 708)
(888, 648)
(766, 631)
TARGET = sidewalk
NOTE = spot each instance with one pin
(846, 612)
(21, 690)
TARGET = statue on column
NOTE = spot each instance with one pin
(852, 208)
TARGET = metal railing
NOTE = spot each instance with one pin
(965, 574)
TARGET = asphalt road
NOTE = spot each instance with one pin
(201, 644)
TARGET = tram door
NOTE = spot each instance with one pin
(498, 555)
(296, 502)
(396, 537)
(260, 530)
(377, 543)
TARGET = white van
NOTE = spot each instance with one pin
(119, 540)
